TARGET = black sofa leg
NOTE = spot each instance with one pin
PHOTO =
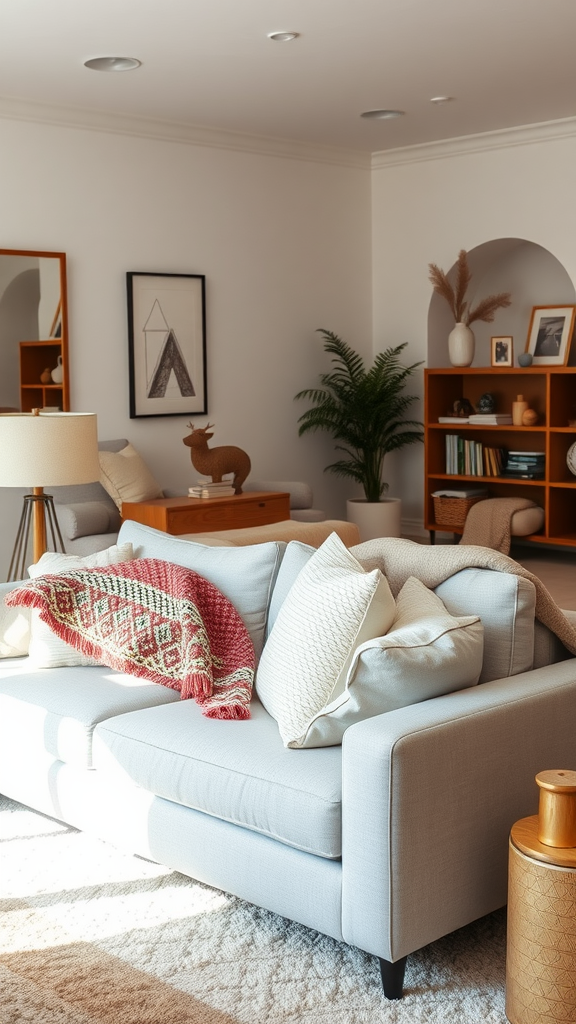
(393, 977)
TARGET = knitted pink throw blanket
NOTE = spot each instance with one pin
(157, 621)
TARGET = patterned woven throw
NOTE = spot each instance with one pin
(155, 620)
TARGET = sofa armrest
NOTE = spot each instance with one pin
(430, 793)
(14, 625)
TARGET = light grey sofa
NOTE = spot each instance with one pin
(388, 842)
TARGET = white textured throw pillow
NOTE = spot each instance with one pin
(46, 649)
(333, 606)
(126, 477)
(427, 652)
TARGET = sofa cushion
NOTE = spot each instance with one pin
(245, 575)
(506, 605)
(126, 477)
(237, 771)
(46, 649)
(333, 606)
(56, 711)
(426, 652)
(14, 625)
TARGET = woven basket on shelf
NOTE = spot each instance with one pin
(453, 511)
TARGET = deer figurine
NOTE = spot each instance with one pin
(214, 462)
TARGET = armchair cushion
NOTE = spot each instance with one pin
(88, 518)
(126, 477)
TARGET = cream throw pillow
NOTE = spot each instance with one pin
(427, 652)
(126, 477)
(46, 649)
(333, 606)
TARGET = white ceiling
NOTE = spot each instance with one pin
(209, 63)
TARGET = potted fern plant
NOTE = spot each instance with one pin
(364, 410)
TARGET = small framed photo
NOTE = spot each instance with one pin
(501, 351)
(550, 334)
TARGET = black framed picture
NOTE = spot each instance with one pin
(167, 344)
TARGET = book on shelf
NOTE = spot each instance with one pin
(452, 419)
(491, 419)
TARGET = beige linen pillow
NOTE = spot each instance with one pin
(333, 606)
(427, 652)
(126, 477)
(46, 649)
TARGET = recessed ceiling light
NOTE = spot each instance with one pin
(283, 37)
(112, 63)
(441, 99)
(382, 115)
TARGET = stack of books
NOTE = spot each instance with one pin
(208, 489)
(490, 419)
(525, 465)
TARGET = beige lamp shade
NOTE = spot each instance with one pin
(49, 449)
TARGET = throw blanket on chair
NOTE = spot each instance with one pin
(489, 522)
(155, 620)
(399, 559)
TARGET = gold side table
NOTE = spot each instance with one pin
(541, 940)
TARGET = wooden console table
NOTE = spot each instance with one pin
(206, 515)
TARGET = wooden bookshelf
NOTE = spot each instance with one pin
(551, 391)
(35, 357)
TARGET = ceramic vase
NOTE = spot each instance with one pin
(375, 518)
(58, 372)
(461, 345)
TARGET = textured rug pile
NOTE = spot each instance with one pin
(92, 935)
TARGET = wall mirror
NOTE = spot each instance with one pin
(33, 331)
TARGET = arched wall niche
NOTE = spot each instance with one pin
(532, 275)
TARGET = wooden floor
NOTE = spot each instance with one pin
(556, 569)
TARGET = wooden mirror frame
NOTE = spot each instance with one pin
(34, 355)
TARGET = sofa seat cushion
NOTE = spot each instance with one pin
(237, 771)
(56, 710)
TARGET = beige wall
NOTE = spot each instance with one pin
(285, 246)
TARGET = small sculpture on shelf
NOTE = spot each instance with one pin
(462, 407)
(486, 402)
(215, 462)
(46, 376)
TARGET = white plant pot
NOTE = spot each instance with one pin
(375, 518)
(461, 343)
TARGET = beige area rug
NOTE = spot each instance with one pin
(91, 935)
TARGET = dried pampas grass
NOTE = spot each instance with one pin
(456, 296)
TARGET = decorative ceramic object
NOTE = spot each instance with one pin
(375, 518)
(525, 359)
(461, 344)
(46, 376)
(215, 462)
(519, 407)
(57, 372)
(486, 402)
(529, 418)
(571, 459)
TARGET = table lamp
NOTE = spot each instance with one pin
(39, 450)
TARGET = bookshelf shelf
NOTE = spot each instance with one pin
(551, 391)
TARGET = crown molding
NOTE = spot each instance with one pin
(505, 138)
(176, 131)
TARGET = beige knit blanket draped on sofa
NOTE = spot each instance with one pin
(398, 559)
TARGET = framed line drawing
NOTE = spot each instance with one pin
(167, 344)
(501, 351)
(550, 334)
